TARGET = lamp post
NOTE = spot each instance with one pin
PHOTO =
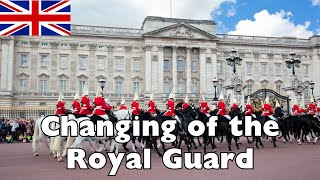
(293, 62)
(312, 88)
(234, 59)
(264, 87)
(102, 83)
(215, 84)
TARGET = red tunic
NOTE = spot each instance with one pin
(185, 106)
(312, 109)
(170, 108)
(76, 107)
(86, 107)
(204, 107)
(222, 108)
(267, 110)
(123, 107)
(249, 109)
(234, 106)
(101, 106)
(135, 108)
(61, 110)
(302, 110)
(296, 110)
(152, 107)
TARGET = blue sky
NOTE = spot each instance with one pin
(296, 18)
(302, 11)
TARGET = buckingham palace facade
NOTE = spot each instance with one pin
(164, 54)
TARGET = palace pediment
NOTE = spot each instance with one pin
(181, 31)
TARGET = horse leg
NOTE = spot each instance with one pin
(236, 141)
(124, 145)
(259, 140)
(154, 142)
(163, 146)
(274, 139)
(229, 138)
(213, 144)
(199, 142)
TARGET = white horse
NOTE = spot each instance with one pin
(120, 115)
(39, 136)
(57, 143)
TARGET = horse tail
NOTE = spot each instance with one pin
(35, 135)
(70, 141)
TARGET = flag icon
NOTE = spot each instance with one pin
(35, 17)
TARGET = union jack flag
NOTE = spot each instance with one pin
(35, 17)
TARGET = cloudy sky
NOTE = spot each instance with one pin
(299, 18)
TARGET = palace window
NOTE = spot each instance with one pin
(180, 65)
(166, 50)
(22, 85)
(264, 69)
(166, 65)
(82, 63)
(219, 67)
(63, 86)
(43, 60)
(305, 70)
(249, 68)
(180, 87)
(100, 62)
(43, 86)
(136, 87)
(166, 87)
(81, 86)
(119, 64)
(23, 59)
(194, 88)
(118, 87)
(193, 66)
(277, 69)
(306, 92)
(136, 64)
(63, 62)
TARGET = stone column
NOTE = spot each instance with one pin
(214, 63)
(315, 74)
(174, 69)
(7, 60)
(160, 49)
(188, 70)
(148, 73)
(202, 70)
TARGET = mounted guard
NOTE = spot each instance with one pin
(170, 112)
(151, 106)
(222, 111)
(135, 106)
(295, 108)
(249, 111)
(312, 109)
(61, 110)
(86, 107)
(100, 105)
(76, 106)
(267, 110)
(122, 106)
(185, 105)
(204, 106)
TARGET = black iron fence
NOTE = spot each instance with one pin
(25, 112)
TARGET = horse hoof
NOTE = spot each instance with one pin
(36, 154)
(195, 147)
(291, 141)
(238, 148)
(60, 159)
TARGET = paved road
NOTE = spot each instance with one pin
(287, 161)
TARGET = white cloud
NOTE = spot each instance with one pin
(278, 24)
(231, 12)
(131, 13)
(315, 2)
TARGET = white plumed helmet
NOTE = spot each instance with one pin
(85, 90)
(171, 96)
(98, 93)
(249, 100)
(76, 96)
(122, 101)
(136, 96)
(186, 100)
(221, 95)
(152, 96)
(61, 97)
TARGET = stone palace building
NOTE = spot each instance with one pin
(164, 54)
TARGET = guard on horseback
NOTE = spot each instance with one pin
(249, 111)
(204, 106)
(122, 106)
(170, 112)
(100, 105)
(302, 110)
(312, 109)
(86, 107)
(234, 105)
(295, 109)
(76, 107)
(185, 105)
(318, 108)
(135, 106)
(278, 111)
(61, 110)
(151, 106)
(267, 110)
(222, 110)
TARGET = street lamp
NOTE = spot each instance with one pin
(312, 88)
(102, 83)
(264, 87)
(215, 84)
(293, 62)
(234, 59)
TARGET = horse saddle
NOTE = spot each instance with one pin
(228, 117)
(273, 118)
